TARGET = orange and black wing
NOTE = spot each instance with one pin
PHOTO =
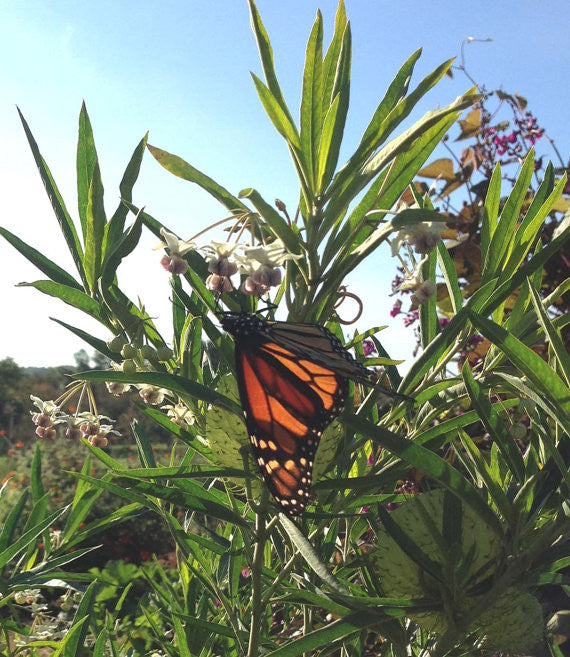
(288, 401)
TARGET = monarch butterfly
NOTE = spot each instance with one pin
(293, 382)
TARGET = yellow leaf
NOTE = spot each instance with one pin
(442, 168)
(470, 125)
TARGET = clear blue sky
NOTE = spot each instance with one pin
(181, 70)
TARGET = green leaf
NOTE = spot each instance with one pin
(445, 341)
(429, 462)
(45, 265)
(198, 499)
(311, 100)
(280, 119)
(542, 255)
(491, 213)
(449, 272)
(394, 94)
(343, 628)
(61, 213)
(96, 343)
(95, 230)
(275, 222)
(114, 229)
(554, 338)
(177, 166)
(310, 555)
(87, 161)
(329, 146)
(12, 520)
(266, 55)
(28, 537)
(124, 245)
(162, 380)
(492, 483)
(69, 295)
(542, 376)
(187, 437)
(494, 425)
(146, 455)
(428, 310)
(382, 126)
(85, 610)
(333, 58)
(501, 241)
(69, 646)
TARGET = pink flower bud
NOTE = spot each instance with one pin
(99, 440)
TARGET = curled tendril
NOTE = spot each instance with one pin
(345, 294)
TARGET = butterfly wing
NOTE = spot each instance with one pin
(288, 401)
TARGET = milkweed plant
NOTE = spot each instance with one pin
(434, 523)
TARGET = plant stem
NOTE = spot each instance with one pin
(256, 568)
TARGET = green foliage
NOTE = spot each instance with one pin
(249, 579)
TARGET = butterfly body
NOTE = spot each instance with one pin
(293, 382)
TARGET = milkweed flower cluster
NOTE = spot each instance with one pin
(259, 265)
(86, 424)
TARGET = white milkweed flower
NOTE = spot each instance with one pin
(423, 236)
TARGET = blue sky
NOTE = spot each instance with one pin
(181, 70)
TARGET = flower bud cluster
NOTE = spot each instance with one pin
(95, 428)
(259, 266)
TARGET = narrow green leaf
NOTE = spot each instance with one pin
(177, 166)
(87, 160)
(114, 229)
(124, 245)
(328, 146)
(74, 646)
(494, 425)
(382, 125)
(28, 537)
(446, 339)
(276, 223)
(191, 349)
(266, 55)
(554, 338)
(45, 265)
(394, 94)
(527, 361)
(186, 437)
(449, 272)
(281, 121)
(492, 483)
(162, 380)
(491, 211)
(69, 295)
(96, 343)
(12, 520)
(542, 255)
(343, 628)
(311, 99)
(428, 462)
(199, 500)
(333, 57)
(310, 555)
(529, 229)
(144, 445)
(61, 213)
(68, 647)
(428, 310)
(95, 230)
(501, 241)
(450, 426)
(181, 639)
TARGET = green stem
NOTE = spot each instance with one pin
(256, 568)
